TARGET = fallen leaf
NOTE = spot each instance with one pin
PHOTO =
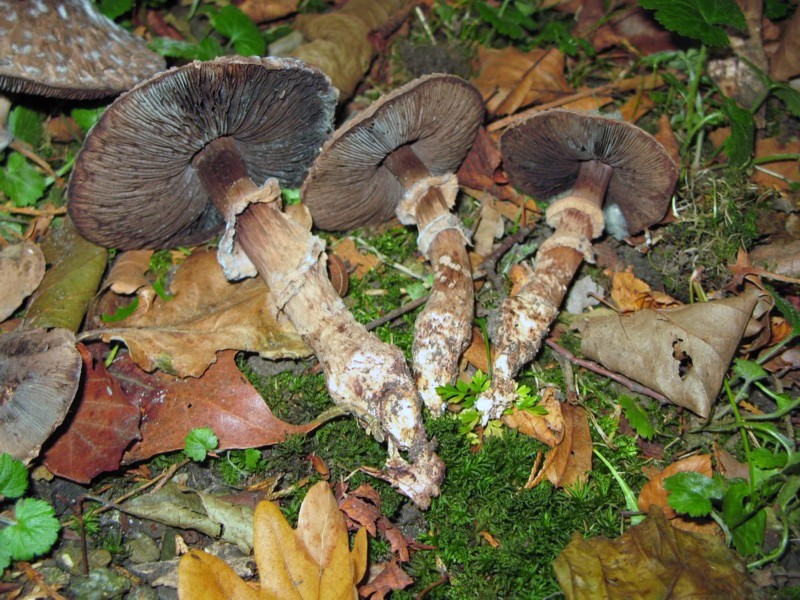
(652, 560)
(390, 578)
(203, 575)
(359, 263)
(509, 79)
(475, 354)
(781, 258)
(481, 168)
(570, 460)
(681, 352)
(785, 62)
(77, 266)
(490, 228)
(127, 273)
(629, 294)
(207, 314)
(654, 493)
(102, 425)
(548, 429)
(22, 268)
(744, 269)
(264, 11)
(728, 466)
(778, 174)
(221, 399)
(178, 506)
(637, 106)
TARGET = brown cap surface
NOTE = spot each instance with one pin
(348, 186)
(543, 156)
(39, 375)
(134, 186)
(67, 49)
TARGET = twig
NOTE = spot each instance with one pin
(489, 265)
(33, 212)
(600, 370)
(397, 312)
(31, 155)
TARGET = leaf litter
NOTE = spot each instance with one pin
(179, 370)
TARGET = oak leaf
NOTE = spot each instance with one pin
(207, 314)
(312, 562)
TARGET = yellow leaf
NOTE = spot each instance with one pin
(203, 575)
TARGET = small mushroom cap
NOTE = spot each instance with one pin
(134, 185)
(39, 376)
(543, 155)
(67, 49)
(348, 186)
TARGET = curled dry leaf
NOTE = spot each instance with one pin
(391, 577)
(313, 562)
(21, 271)
(207, 314)
(680, 352)
(570, 460)
(127, 273)
(652, 560)
(263, 11)
(548, 429)
(629, 294)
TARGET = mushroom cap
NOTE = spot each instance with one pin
(39, 376)
(67, 49)
(134, 185)
(348, 186)
(543, 155)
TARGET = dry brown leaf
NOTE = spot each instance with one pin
(629, 294)
(207, 314)
(681, 352)
(127, 273)
(728, 466)
(481, 169)
(569, 461)
(781, 258)
(475, 354)
(390, 578)
(588, 104)
(263, 11)
(359, 263)
(509, 79)
(22, 269)
(785, 62)
(652, 560)
(313, 562)
(778, 174)
(548, 429)
(653, 492)
(636, 107)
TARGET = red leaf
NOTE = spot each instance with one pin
(102, 426)
(221, 399)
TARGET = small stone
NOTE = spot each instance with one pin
(101, 583)
(142, 592)
(69, 558)
(54, 576)
(143, 550)
(99, 557)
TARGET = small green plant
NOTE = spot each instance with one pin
(199, 442)
(33, 529)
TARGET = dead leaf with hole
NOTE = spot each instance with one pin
(652, 560)
(681, 352)
(570, 460)
(102, 425)
(654, 493)
(313, 562)
(222, 399)
(207, 313)
(22, 268)
(548, 429)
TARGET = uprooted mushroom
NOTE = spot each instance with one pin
(399, 157)
(193, 143)
(67, 49)
(609, 167)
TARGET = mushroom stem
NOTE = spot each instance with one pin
(532, 305)
(443, 329)
(365, 376)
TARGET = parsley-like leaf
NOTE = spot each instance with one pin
(34, 531)
(637, 417)
(691, 493)
(199, 442)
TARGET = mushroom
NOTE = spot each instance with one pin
(67, 49)
(39, 375)
(399, 157)
(598, 160)
(175, 152)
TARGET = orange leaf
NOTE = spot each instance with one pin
(570, 460)
(203, 575)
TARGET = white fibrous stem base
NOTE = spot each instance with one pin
(366, 377)
(531, 307)
(443, 328)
